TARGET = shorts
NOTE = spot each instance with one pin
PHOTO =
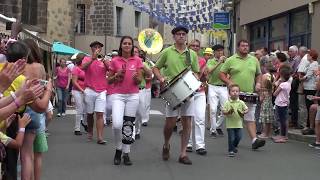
(186, 109)
(250, 116)
(95, 101)
(40, 144)
(34, 124)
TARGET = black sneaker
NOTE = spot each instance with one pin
(189, 149)
(77, 133)
(117, 157)
(258, 143)
(126, 159)
(145, 124)
(220, 132)
(213, 134)
(308, 131)
(201, 151)
(315, 145)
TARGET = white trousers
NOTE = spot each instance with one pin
(147, 105)
(198, 123)
(80, 108)
(122, 105)
(108, 112)
(141, 111)
(216, 95)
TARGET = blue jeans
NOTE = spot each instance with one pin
(282, 118)
(62, 99)
(234, 137)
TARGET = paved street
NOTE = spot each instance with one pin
(72, 157)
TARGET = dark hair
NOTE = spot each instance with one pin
(79, 59)
(121, 41)
(242, 41)
(16, 51)
(285, 71)
(35, 55)
(265, 49)
(281, 56)
(232, 86)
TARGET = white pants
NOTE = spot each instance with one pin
(80, 108)
(148, 102)
(141, 111)
(216, 95)
(198, 123)
(122, 105)
(95, 101)
(108, 112)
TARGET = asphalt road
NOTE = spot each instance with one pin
(71, 157)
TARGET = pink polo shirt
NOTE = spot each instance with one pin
(62, 77)
(77, 71)
(95, 75)
(202, 63)
(131, 65)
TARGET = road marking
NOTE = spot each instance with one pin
(71, 111)
(152, 112)
(155, 112)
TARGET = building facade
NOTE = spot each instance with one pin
(278, 24)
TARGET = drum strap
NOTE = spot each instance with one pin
(188, 59)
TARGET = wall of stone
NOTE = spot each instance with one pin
(60, 24)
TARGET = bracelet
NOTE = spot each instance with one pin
(13, 95)
(17, 103)
(22, 130)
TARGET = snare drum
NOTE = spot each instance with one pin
(249, 97)
(180, 89)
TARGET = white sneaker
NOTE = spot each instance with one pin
(59, 115)
(63, 114)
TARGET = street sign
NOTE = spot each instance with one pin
(221, 20)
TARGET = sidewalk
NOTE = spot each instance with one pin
(295, 134)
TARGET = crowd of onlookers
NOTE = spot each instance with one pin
(25, 108)
(304, 81)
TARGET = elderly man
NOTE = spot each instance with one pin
(294, 61)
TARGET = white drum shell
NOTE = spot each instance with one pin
(181, 89)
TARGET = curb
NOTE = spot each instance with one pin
(294, 134)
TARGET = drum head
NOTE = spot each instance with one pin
(175, 79)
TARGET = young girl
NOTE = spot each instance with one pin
(266, 112)
(282, 94)
(234, 110)
(125, 75)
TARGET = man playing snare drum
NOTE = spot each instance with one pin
(172, 61)
(244, 70)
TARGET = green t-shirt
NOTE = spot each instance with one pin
(214, 76)
(171, 62)
(143, 81)
(234, 120)
(242, 71)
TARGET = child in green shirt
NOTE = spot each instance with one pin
(234, 110)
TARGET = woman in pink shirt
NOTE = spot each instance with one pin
(125, 75)
(78, 76)
(63, 76)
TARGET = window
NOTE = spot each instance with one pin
(119, 20)
(279, 27)
(299, 22)
(82, 18)
(29, 12)
(137, 19)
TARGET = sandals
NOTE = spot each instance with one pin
(101, 142)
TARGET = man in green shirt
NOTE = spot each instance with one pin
(173, 61)
(244, 70)
(217, 90)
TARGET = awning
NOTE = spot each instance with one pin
(62, 49)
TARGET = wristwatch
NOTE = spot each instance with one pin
(1, 95)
